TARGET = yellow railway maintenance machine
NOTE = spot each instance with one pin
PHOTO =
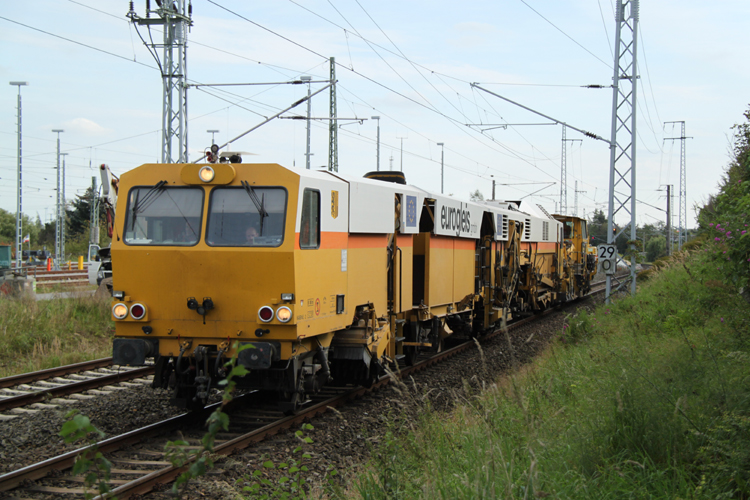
(580, 257)
(330, 278)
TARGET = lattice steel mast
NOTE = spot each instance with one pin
(682, 215)
(58, 206)
(622, 144)
(19, 183)
(175, 17)
(333, 138)
(564, 175)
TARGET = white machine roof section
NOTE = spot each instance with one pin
(334, 200)
(372, 206)
(371, 209)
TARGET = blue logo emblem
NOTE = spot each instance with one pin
(411, 211)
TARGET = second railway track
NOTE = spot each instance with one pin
(44, 387)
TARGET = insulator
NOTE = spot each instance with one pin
(634, 9)
(190, 9)
(131, 6)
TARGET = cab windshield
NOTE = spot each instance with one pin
(161, 215)
(246, 216)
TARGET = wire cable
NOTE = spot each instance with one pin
(568, 36)
(77, 42)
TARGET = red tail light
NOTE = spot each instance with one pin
(265, 314)
(137, 311)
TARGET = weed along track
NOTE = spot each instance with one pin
(340, 438)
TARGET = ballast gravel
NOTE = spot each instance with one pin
(33, 437)
(344, 439)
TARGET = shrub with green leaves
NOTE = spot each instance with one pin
(290, 479)
(726, 217)
(647, 398)
(90, 463)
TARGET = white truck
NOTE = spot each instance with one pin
(100, 264)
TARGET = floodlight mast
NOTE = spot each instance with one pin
(19, 183)
(176, 18)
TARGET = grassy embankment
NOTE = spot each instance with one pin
(644, 398)
(36, 335)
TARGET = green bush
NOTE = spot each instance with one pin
(643, 398)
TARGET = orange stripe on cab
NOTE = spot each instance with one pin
(332, 240)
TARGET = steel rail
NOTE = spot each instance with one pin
(24, 378)
(147, 482)
(73, 387)
(42, 469)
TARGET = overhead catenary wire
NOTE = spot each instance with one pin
(515, 152)
(76, 42)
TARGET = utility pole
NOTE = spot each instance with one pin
(442, 164)
(307, 79)
(564, 173)
(402, 151)
(57, 203)
(682, 213)
(622, 164)
(19, 183)
(669, 219)
(64, 210)
(212, 132)
(175, 17)
(575, 207)
(94, 222)
(378, 141)
(333, 137)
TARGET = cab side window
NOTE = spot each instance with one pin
(568, 230)
(309, 231)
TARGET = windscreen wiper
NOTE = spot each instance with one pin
(259, 203)
(141, 204)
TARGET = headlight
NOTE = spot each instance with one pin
(284, 314)
(100, 273)
(265, 314)
(206, 174)
(137, 311)
(120, 310)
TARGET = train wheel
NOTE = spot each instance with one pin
(411, 354)
(373, 374)
(290, 402)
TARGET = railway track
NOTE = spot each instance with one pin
(139, 463)
(45, 388)
(64, 278)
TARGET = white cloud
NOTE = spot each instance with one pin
(85, 126)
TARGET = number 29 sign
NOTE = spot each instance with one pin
(607, 258)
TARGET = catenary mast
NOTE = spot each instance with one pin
(175, 18)
(622, 145)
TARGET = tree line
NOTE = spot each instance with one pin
(42, 234)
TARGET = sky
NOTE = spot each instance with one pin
(410, 62)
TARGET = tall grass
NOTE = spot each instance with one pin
(645, 398)
(48, 333)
